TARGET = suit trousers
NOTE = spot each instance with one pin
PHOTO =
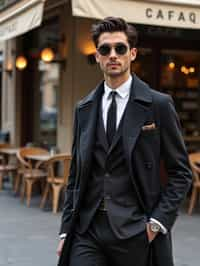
(98, 246)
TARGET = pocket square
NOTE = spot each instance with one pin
(149, 126)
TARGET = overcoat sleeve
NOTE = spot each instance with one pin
(174, 154)
(69, 193)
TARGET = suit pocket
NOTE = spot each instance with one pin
(150, 132)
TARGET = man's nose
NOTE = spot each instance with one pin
(113, 52)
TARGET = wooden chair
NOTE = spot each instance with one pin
(5, 167)
(2, 146)
(29, 173)
(54, 182)
(194, 159)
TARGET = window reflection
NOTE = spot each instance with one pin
(49, 84)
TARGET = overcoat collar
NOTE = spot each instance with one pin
(139, 92)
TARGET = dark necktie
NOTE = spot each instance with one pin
(111, 118)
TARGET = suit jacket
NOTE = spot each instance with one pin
(144, 151)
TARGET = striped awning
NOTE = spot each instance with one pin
(167, 13)
(21, 17)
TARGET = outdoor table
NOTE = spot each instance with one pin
(9, 154)
(42, 157)
(9, 164)
(9, 151)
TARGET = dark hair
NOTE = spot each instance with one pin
(113, 24)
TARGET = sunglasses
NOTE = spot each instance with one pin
(120, 49)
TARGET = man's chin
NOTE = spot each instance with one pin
(114, 73)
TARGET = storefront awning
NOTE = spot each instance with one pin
(171, 13)
(20, 18)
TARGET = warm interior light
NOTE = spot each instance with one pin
(47, 55)
(187, 71)
(171, 65)
(9, 66)
(21, 62)
(183, 69)
(192, 69)
(88, 47)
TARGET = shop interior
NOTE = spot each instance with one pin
(169, 60)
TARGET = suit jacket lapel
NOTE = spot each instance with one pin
(103, 136)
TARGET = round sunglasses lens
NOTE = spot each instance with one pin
(104, 50)
(121, 49)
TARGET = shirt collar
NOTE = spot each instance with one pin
(123, 90)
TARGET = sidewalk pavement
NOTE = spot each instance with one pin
(29, 236)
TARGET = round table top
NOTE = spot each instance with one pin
(9, 151)
(41, 157)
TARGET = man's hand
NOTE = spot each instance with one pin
(60, 247)
(151, 235)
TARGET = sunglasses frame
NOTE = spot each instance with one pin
(110, 47)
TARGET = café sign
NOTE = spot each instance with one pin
(143, 12)
(170, 15)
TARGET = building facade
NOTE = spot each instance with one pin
(38, 98)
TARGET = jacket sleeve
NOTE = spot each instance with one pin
(174, 154)
(69, 193)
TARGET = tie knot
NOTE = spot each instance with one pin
(113, 94)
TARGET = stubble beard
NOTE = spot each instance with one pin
(113, 74)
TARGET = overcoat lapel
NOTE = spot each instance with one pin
(135, 116)
(88, 114)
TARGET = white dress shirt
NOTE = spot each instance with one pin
(122, 96)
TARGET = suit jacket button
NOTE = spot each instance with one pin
(107, 175)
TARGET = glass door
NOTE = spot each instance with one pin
(48, 86)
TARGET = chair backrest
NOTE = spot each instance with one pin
(5, 159)
(194, 159)
(5, 145)
(23, 152)
(63, 161)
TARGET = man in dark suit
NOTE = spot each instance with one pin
(117, 211)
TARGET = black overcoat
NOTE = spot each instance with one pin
(144, 152)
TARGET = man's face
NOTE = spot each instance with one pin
(117, 61)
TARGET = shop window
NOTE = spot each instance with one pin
(180, 77)
(49, 84)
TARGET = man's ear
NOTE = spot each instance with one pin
(97, 57)
(133, 53)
